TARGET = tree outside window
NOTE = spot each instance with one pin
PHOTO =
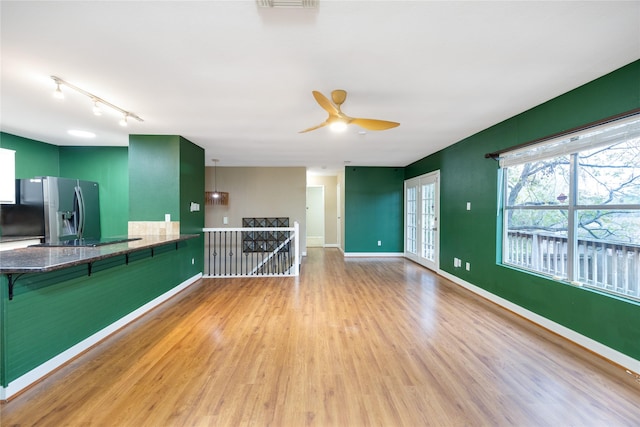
(575, 214)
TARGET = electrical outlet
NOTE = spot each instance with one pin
(468, 206)
(468, 266)
(193, 261)
(379, 242)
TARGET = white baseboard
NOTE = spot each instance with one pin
(54, 363)
(374, 254)
(609, 353)
(331, 245)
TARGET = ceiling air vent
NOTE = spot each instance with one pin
(288, 4)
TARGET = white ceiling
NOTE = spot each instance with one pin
(236, 79)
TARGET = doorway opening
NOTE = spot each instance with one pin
(315, 216)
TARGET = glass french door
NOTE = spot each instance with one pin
(422, 208)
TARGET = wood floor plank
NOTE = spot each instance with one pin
(351, 342)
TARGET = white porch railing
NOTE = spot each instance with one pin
(252, 251)
(613, 267)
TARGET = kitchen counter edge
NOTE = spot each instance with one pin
(45, 259)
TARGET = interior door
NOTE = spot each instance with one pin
(422, 226)
(411, 218)
(315, 216)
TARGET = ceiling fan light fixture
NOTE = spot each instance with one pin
(338, 126)
(338, 121)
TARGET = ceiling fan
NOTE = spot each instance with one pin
(337, 120)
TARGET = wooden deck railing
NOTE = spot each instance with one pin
(609, 266)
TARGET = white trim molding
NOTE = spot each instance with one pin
(602, 350)
(54, 363)
(374, 254)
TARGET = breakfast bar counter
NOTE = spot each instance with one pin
(36, 259)
(44, 259)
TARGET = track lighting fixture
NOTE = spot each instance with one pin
(97, 101)
(96, 108)
(57, 94)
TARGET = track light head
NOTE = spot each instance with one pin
(96, 108)
(57, 94)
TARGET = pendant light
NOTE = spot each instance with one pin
(216, 197)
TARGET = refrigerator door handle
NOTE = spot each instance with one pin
(81, 213)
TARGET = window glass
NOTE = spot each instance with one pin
(539, 183)
(610, 175)
(618, 225)
(593, 240)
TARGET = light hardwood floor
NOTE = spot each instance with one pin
(351, 342)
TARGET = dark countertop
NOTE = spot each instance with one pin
(43, 259)
(5, 239)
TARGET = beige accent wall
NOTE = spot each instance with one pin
(258, 192)
(330, 184)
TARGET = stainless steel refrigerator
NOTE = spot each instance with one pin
(62, 209)
(71, 209)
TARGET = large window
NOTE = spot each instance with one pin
(571, 207)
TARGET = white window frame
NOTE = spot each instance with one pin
(570, 145)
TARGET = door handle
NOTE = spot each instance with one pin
(81, 212)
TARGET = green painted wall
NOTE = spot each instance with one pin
(33, 158)
(374, 209)
(106, 165)
(191, 187)
(466, 176)
(166, 174)
(109, 167)
(154, 177)
(192, 179)
(51, 312)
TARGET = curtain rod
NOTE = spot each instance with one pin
(630, 113)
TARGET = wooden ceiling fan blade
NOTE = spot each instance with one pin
(324, 102)
(314, 128)
(372, 124)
